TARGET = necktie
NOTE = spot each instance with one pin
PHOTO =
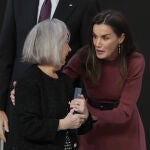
(45, 10)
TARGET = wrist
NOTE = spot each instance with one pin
(87, 114)
(62, 124)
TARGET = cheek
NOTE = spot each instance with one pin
(111, 47)
(94, 41)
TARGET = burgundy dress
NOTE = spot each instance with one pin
(120, 128)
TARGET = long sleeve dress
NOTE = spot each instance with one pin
(120, 128)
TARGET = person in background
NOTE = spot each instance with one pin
(20, 17)
(2, 10)
(42, 118)
(112, 70)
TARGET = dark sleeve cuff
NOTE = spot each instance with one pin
(87, 126)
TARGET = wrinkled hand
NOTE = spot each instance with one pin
(71, 121)
(79, 105)
(12, 93)
(3, 125)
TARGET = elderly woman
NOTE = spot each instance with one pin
(42, 117)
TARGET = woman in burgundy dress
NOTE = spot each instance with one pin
(112, 72)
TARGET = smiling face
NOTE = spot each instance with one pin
(106, 42)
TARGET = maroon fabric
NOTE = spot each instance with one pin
(120, 128)
(45, 10)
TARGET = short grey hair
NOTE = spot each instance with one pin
(44, 43)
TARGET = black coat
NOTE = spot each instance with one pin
(21, 16)
(40, 102)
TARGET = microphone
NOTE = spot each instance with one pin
(77, 92)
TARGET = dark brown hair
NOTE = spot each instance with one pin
(119, 25)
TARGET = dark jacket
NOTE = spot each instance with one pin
(21, 16)
(40, 102)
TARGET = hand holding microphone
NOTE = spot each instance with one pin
(79, 103)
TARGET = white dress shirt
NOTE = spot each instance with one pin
(54, 5)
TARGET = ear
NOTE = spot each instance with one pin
(121, 39)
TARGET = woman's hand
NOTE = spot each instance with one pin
(71, 121)
(79, 105)
(12, 93)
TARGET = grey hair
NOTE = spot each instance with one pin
(44, 43)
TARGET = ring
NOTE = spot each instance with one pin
(77, 104)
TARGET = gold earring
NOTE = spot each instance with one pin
(119, 49)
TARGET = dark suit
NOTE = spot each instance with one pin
(2, 10)
(21, 16)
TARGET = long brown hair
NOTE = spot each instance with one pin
(119, 25)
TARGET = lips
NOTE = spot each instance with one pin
(99, 51)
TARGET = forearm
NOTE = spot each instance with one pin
(62, 125)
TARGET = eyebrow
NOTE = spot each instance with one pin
(102, 35)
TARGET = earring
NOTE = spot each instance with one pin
(119, 49)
